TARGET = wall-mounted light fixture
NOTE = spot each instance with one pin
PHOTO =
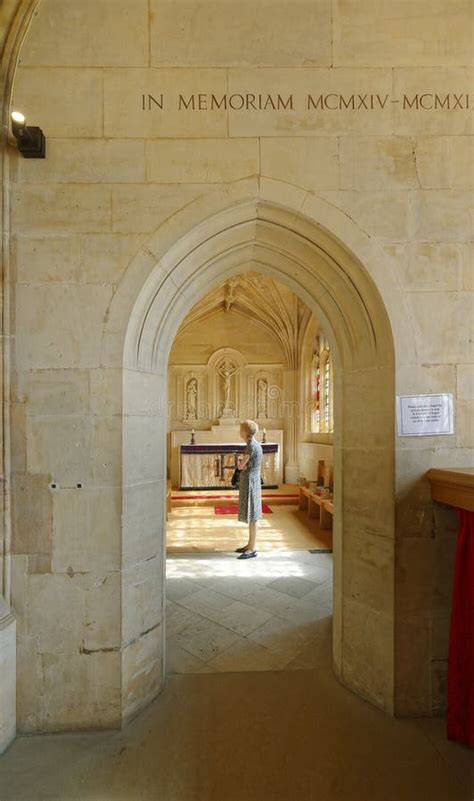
(30, 138)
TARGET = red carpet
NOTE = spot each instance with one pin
(233, 510)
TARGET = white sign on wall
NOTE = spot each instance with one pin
(425, 415)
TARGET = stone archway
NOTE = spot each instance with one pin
(262, 236)
(119, 672)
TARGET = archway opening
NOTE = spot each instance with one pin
(249, 349)
(337, 289)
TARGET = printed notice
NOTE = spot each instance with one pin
(424, 415)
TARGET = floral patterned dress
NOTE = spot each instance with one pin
(250, 491)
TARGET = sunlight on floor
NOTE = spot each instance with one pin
(211, 568)
(199, 529)
(272, 613)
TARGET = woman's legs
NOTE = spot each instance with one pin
(252, 535)
(252, 539)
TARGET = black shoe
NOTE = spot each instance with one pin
(242, 549)
(247, 555)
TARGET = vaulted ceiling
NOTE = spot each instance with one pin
(264, 301)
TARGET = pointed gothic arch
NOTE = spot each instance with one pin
(266, 237)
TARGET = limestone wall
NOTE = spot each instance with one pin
(376, 143)
(310, 453)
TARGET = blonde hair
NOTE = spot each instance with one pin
(251, 426)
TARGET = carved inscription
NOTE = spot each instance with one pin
(332, 101)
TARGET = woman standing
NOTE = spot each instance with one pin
(250, 492)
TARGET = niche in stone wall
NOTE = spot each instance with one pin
(225, 370)
(266, 385)
(231, 354)
(227, 387)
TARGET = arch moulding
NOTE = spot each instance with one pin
(201, 247)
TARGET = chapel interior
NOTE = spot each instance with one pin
(215, 212)
(249, 349)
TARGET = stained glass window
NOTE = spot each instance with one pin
(321, 387)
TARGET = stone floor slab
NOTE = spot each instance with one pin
(300, 735)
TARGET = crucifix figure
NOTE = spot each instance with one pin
(226, 370)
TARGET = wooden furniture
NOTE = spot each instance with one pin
(304, 498)
(321, 468)
(318, 508)
(326, 513)
(453, 486)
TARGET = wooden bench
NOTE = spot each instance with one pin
(327, 513)
(304, 498)
(314, 506)
(318, 508)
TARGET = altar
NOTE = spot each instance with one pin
(211, 465)
(210, 460)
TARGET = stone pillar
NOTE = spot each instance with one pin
(291, 416)
(143, 539)
(7, 617)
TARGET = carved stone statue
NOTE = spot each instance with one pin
(226, 370)
(262, 397)
(191, 399)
